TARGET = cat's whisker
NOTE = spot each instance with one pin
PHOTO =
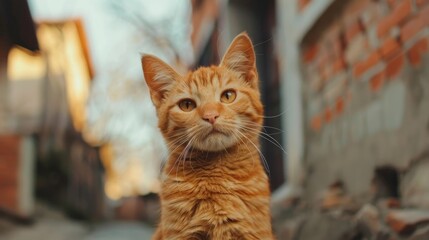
(266, 137)
(190, 160)
(169, 154)
(263, 42)
(263, 126)
(244, 143)
(182, 158)
(262, 135)
(179, 143)
(264, 160)
(226, 151)
(247, 122)
(178, 160)
(274, 116)
(180, 139)
(186, 154)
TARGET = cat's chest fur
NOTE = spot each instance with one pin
(217, 194)
(214, 200)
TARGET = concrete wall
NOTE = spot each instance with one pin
(366, 96)
(22, 106)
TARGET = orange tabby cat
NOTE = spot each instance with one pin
(214, 185)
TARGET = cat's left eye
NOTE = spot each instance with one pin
(228, 96)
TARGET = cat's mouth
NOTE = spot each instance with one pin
(215, 131)
(214, 138)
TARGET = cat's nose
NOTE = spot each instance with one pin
(211, 116)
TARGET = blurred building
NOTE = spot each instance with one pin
(215, 24)
(45, 77)
(16, 148)
(355, 86)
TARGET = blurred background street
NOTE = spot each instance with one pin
(345, 85)
(52, 224)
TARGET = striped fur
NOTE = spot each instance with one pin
(213, 185)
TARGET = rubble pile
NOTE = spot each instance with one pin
(382, 215)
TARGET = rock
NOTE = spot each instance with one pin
(388, 204)
(332, 201)
(369, 223)
(335, 197)
(405, 221)
(289, 229)
(415, 185)
(393, 203)
(421, 234)
(322, 227)
(369, 216)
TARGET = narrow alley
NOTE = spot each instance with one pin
(344, 85)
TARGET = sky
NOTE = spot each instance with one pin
(119, 110)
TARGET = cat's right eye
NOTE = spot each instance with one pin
(187, 105)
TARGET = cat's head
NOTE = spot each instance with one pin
(212, 108)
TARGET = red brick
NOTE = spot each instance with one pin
(403, 221)
(377, 81)
(328, 115)
(390, 48)
(323, 76)
(316, 123)
(401, 11)
(398, 16)
(392, 3)
(338, 66)
(338, 46)
(302, 4)
(339, 105)
(355, 9)
(353, 30)
(384, 27)
(392, 203)
(310, 53)
(421, 3)
(363, 66)
(326, 66)
(328, 72)
(332, 40)
(322, 58)
(9, 152)
(415, 52)
(394, 66)
(424, 16)
(9, 198)
(411, 28)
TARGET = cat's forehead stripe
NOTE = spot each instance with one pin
(229, 81)
(204, 76)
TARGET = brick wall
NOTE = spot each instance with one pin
(9, 151)
(366, 91)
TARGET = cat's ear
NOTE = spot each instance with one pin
(240, 57)
(159, 77)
